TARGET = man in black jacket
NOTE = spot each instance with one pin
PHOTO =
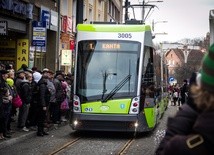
(42, 102)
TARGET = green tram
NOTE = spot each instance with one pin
(115, 86)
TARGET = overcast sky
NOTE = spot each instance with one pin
(185, 18)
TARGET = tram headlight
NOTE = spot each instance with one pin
(136, 124)
(75, 123)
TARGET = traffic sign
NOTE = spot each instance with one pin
(171, 79)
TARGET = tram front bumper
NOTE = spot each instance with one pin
(107, 122)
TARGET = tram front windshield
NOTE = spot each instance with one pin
(107, 69)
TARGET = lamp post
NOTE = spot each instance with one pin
(162, 55)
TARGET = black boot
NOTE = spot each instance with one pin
(40, 131)
(40, 134)
(45, 133)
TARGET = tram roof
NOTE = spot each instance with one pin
(113, 28)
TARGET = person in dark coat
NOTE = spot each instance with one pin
(43, 98)
(190, 132)
(60, 96)
(5, 104)
(184, 92)
(2, 92)
(26, 96)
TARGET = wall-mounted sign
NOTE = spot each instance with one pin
(3, 27)
(39, 36)
(54, 21)
(45, 15)
(66, 57)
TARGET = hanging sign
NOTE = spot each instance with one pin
(22, 52)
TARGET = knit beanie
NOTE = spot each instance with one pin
(10, 82)
(207, 71)
(37, 76)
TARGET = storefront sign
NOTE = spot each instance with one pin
(17, 7)
(22, 52)
(3, 27)
(66, 57)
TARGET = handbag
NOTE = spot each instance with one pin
(17, 102)
(64, 105)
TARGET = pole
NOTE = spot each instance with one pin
(161, 68)
(126, 10)
(143, 11)
(58, 37)
(211, 20)
(79, 11)
(153, 25)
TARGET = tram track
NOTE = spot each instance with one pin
(125, 147)
(122, 150)
(65, 146)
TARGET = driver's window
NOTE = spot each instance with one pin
(148, 72)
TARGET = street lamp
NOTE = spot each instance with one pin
(153, 23)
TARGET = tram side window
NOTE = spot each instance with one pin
(148, 73)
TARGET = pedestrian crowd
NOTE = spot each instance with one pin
(36, 98)
(190, 131)
(178, 95)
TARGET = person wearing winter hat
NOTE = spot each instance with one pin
(42, 98)
(37, 76)
(10, 82)
(20, 76)
(190, 131)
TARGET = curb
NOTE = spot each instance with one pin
(17, 139)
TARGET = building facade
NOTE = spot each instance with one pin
(42, 33)
(28, 32)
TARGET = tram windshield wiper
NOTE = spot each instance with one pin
(117, 88)
(105, 75)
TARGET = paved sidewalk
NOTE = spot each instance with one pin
(20, 135)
